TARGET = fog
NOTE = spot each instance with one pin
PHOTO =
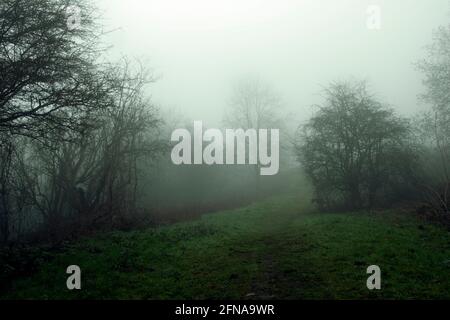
(199, 49)
(224, 149)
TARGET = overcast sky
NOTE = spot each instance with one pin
(200, 48)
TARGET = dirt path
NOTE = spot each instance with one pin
(277, 278)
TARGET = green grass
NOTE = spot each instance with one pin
(275, 249)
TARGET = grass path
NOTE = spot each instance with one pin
(275, 249)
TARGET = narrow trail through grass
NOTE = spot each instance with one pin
(274, 249)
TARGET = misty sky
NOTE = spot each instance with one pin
(201, 48)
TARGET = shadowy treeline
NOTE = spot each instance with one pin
(82, 148)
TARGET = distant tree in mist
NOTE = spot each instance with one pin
(355, 150)
(436, 122)
(254, 105)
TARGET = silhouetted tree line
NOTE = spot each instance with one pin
(73, 128)
(82, 147)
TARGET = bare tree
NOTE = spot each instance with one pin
(89, 177)
(74, 129)
(48, 69)
(353, 148)
(436, 124)
(254, 105)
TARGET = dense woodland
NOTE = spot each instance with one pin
(84, 149)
